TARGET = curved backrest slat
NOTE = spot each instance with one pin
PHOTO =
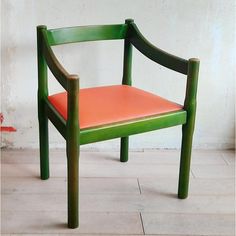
(161, 57)
(86, 33)
(56, 68)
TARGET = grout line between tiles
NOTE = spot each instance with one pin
(188, 213)
(131, 212)
(139, 186)
(109, 163)
(10, 192)
(140, 214)
(222, 156)
(192, 173)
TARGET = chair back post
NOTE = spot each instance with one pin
(127, 62)
(42, 97)
(127, 80)
(42, 67)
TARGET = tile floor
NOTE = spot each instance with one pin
(134, 198)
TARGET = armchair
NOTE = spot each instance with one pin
(90, 115)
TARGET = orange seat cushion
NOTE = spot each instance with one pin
(110, 104)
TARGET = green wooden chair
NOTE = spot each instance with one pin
(90, 115)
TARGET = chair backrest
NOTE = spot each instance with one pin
(53, 37)
(128, 31)
(86, 33)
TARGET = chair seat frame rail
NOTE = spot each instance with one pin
(70, 130)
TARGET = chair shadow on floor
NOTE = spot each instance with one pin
(59, 226)
(160, 193)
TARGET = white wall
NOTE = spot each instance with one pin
(187, 28)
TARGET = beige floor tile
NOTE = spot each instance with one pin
(192, 224)
(193, 204)
(34, 234)
(121, 203)
(197, 186)
(213, 171)
(20, 170)
(123, 170)
(206, 157)
(229, 157)
(105, 235)
(59, 185)
(173, 157)
(55, 156)
(14, 156)
(109, 192)
(17, 185)
(31, 170)
(157, 156)
(79, 234)
(55, 222)
(31, 156)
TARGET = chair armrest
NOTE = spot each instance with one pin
(149, 50)
(54, 65)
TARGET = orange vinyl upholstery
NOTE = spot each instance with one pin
(111, 104)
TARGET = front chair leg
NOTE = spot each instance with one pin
(73, 185)
(188, 128)
(185, 160)
(124, 149)
(72, 151)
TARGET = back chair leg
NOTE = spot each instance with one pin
(43, 140)
(42, 116)
(124, 149)
(73, 185)
(185, 160)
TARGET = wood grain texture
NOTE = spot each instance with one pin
(152, 52)
(86, 33)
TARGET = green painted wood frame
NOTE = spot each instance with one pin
(70, 130)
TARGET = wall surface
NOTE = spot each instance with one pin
(187, 28)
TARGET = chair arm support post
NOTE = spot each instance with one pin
(72, 104)
(72, 150)
(188, 128)
(192, 82)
